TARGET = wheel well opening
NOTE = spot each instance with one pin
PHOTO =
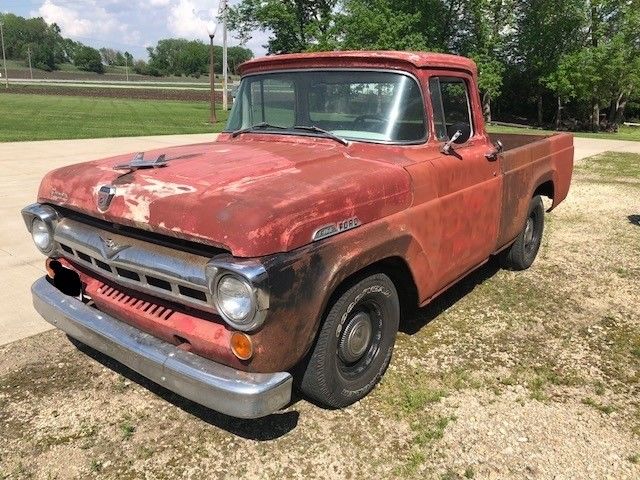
(545, 189)
(398, 271)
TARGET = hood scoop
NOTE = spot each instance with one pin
(138, 162)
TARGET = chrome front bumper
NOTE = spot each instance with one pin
(221, 388)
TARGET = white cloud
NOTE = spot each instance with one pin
(188, 20)
(135, 24)
(67, 19)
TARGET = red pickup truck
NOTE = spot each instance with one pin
(346, 188)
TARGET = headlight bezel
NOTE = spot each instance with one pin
(254, 275)
(49, 217)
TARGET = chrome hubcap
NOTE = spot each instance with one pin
(356, 337)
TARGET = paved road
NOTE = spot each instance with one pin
(22, 166)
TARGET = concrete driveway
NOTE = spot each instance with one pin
(22, 166)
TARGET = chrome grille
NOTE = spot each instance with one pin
(156, 270)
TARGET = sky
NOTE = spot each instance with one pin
(129, 25)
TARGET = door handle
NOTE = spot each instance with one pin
(493, 155)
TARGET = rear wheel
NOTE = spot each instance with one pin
(521, 254)
(355, 343)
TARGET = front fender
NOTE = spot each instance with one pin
(302, 282)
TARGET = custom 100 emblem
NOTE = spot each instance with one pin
(335, 228)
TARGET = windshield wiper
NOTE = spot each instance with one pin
(308, 128)
(325, 133)
(257, 126)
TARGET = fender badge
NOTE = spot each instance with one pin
(105, 195)
(335, 228)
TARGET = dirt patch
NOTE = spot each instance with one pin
(529, 375)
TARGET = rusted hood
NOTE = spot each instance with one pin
(250, 196)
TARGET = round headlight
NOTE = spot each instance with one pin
(235, 300)
(41, 235)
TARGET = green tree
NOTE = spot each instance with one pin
(545, 31)
(20, 33)
(236, 56)
(294, 25)
(88, 59)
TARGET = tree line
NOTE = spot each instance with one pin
(49, 49)
(572, 64)
(177, 56)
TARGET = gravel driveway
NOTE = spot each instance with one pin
(531, 375)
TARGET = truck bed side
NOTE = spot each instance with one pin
(531, 164)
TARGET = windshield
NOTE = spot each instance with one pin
(356, 105)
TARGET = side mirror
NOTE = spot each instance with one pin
(465, 132)
(459, 133)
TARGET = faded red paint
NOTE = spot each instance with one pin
(263, 195)
(254, 196)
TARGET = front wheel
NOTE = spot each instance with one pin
(521, 254)
(355, 343)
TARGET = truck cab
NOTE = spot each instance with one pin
(346, 188)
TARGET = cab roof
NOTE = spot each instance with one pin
(367, 59)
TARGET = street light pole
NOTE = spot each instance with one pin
(225, 68)
(211, 27)
(4, 58)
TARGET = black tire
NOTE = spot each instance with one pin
(337, 374)
(521, 254)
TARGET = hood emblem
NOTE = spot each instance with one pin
(105, 195)
(335, 228)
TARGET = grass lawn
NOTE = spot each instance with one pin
(625, 133)
(46, 117)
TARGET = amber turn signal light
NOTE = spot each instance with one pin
(241, 345)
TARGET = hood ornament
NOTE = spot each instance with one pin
(139, 162)
(105, 195)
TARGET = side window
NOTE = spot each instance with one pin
(273, 101)
(450, 101)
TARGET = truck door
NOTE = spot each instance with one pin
(468, 184)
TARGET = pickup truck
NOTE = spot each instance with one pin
(346, 189)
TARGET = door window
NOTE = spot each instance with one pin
(451, 105)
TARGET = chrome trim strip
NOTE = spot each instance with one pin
(216, 386)
(145, 260)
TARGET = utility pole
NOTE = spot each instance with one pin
(4, 58)
(29, 55)
(211, 30)
(126, 65)
(225, 68)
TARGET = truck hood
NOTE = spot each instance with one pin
(252, 197)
